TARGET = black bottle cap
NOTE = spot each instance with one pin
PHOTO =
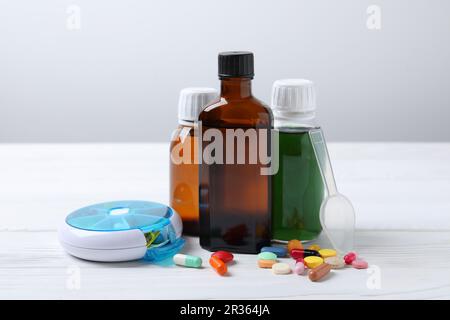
(236, 64)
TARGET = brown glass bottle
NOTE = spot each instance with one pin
(235, 198)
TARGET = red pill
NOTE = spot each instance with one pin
(349, 257)
(225, 256)
(218, 265)
(301, 253)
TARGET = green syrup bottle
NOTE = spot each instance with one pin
(297, 187)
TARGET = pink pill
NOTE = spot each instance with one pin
(299, 268)
(300, 260)
(359, 264)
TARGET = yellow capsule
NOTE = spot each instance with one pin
(326, 253)
(313, 261)
(314, 247)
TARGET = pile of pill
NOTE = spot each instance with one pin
(356, 262)
(316, 260)
(319, 262)
(267, 259)
(219, 260)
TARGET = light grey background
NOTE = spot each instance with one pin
(118, 77)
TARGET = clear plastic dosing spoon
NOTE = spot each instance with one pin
(337, 215)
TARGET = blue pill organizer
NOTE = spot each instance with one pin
(122, 231)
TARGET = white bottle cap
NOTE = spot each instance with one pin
(293, 96)
(192, 101)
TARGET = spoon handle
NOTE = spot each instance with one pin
(323, 159)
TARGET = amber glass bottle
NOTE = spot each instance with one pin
(184, 157)
(234, 196)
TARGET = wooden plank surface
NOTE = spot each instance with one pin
(407, 265)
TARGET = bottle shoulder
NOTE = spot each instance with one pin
(245, 112)
(295, 124)
(181, 132)
(296, 129)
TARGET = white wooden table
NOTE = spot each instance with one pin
(400, 192)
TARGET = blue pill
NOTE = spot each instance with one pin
(279, 251)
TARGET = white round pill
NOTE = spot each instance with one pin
(281, 268)
(335, 262)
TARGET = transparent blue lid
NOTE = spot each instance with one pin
(152, 218)
(121, 215)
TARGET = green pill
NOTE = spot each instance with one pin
(267, 256)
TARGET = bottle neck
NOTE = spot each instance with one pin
(237, 88)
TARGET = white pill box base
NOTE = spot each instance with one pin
(103, 246)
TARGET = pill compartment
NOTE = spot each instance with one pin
(122, 231)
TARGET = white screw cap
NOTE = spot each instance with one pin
(293, 96)
(192, 101)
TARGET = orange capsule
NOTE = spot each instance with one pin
(218, 265)
(294, 244)
(225, 256)
(319, 272)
